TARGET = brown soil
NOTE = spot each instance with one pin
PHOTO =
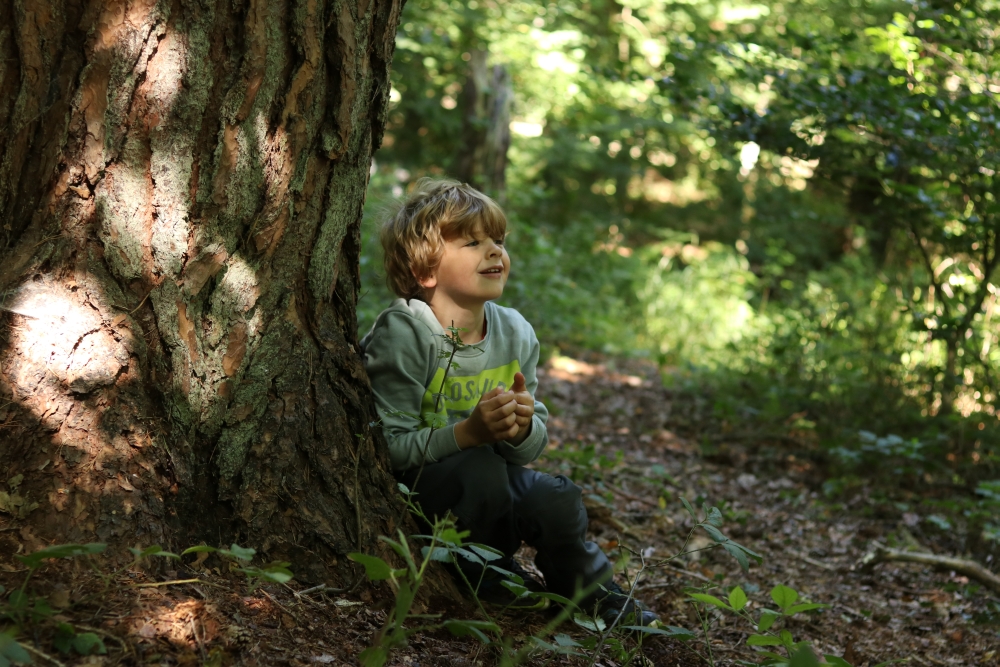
(770, 499)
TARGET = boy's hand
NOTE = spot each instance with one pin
(524, 410)
(493, 419)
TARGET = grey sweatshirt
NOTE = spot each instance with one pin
(406, 354)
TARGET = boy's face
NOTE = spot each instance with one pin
(473, 270)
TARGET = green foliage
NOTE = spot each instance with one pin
(34, 560)
(27, 610)
(446, 544)
(767, 635)
(791, 207)
(68, 640)
(11, 652)
(276, 572)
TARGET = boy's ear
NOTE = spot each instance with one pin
(428, 281)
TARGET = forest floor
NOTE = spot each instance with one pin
(636, 450)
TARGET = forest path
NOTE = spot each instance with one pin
(632, 446)
(617, 433)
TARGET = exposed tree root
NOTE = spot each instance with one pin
(969, 568)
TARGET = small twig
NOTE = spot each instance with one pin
(812, 561)
(322, 588)
(630, 496)
(851, 610)
(681, 571)
(969, 568)
(198, 641)
(31, 649)
(132, 311)
(46, 240)
(303, 598)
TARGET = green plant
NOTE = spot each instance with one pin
(406, 582)
(275, 572)
(766, 625)
(10, 650)
(25, 609)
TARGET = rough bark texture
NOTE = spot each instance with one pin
(181, 184)
(486, 100)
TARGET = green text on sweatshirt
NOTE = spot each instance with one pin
(406, 354)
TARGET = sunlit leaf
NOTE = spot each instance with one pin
(154, 550)
(784, 596)
(588, 623)
(199, 549)
(709, 599)
(376, 569)
(794, 609)
(763, 640)
(486, 552)
(34, 560)
(440, 554)
(476, 629)
(737, 598)
(452, 536)
(240, 553)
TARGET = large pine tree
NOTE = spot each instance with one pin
(181, 187)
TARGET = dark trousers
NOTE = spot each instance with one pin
(501, 504)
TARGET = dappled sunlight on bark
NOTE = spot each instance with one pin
(69, 361)
(179, 360)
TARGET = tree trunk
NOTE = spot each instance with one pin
(486, 101)
(950, 382)
(181, 185)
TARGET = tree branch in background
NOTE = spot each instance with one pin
(969, 568)
(486, 99)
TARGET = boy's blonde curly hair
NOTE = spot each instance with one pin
(413, 237)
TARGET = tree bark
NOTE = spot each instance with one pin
(181, 187)
(486, 101)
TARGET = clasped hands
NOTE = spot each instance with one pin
(499, 415)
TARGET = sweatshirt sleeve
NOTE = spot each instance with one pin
(532, 446)
(401, 357)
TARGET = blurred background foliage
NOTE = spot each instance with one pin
(790, 207)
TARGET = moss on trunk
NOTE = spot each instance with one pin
(180, 199)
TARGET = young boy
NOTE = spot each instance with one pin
(445, 259)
